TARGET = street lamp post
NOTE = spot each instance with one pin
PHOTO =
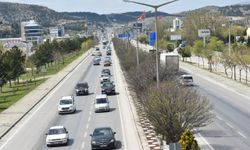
(229, 38)
(156, 29)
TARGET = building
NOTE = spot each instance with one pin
(26, 47)
(177, 24)
(56, 32)
(32, 32)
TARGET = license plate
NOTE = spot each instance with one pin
(103, 145)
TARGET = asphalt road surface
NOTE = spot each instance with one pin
(230, 129)
(29, 134)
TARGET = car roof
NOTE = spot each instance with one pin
(103, 128)
(82, 82)
(66, 97)
(101, 96)
(186, 75)
(56, 127)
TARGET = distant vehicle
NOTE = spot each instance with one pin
(96, 61)
(107, 62)
(82, 88)
(66, 105)
(106, 71)
(104, 78)
(170, 61)
(108, 52)
(98, 53)
(97, 48)
(186, 80)
(108, 88)
(103, 138)
(57, 135)
(101, 103)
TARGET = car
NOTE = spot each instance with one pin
(101, 103)
(107, 62)
(108, 58)
(104, 78)
(103, 138)
(66, 105)
(106, 71)
(186, 80)
(96, 61)
(82, 88)
(108, 52)
(108, 88)
(99, 53)
(97, 48)
(57, 135)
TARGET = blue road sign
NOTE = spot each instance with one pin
(152, 37)
(123, 35)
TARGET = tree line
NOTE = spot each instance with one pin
(13, 62)
(172, 109)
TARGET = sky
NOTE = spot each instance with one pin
(118, 6)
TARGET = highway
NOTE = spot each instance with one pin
(29, 134)
(230, 129)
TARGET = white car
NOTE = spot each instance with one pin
(101, 103)
(66, 105)
(186, 79)
(57, 135)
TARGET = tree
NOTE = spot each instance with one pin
(172, 109)
(188, 141)
(185, 52)
(197, 49)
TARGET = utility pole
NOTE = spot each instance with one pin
(156, 29)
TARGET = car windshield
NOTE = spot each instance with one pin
(65, 101)
(101, 101)
(104, 75)
(188, 78)
(102, 132)
(57, 131)
(107, 84)
(82, 85)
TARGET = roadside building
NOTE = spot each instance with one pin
(56, 32)
(32, 32)
(177, 24)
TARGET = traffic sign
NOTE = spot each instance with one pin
(175, 37)
(203, 32)
(152, 38)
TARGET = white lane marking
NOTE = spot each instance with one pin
(229, 125)
(117, 96)
(89, 119)
(242, 134)
(83, 144)
(205, 141)
(85, 134)
(43, 102)
(90, 113)
(219, 117)
(87, 126)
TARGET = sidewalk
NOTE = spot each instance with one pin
(11, 116)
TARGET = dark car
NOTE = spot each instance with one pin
(108, 52)
(103, 138)
(108, 88)
(106, 71)
(82, 88)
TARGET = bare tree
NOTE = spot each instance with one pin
(173, 109)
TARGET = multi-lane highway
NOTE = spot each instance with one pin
(29, 134)
(230, 128)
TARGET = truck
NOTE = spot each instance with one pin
(170, 61)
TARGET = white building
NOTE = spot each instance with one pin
(177, 24)
(56, 32)
(31, 31)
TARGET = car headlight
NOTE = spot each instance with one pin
(93, 142)
(112, 140)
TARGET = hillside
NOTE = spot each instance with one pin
(241, 10)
